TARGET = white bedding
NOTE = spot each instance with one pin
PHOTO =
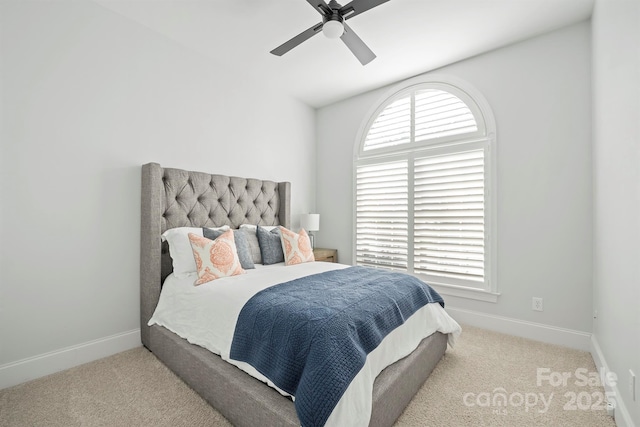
(206, 315)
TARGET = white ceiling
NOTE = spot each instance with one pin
(409, 37)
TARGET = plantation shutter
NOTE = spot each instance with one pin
(392, 126)
(439, 113)
(449, 215)
(435, 114)
(382, 206)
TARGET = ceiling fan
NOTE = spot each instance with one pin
(333, 25)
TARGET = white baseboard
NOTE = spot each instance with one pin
(622, 416)
(45, 364)
(536, 331)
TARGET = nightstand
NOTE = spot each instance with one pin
(326, 255)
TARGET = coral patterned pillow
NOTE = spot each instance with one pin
(215, 258)
(296, 247)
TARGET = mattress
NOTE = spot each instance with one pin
(206, 316)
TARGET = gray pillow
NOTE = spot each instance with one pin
(242, 247)
(252, 241)
(270, 245)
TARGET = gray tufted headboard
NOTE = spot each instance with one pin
(177, 198)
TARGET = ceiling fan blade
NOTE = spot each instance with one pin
(356, 7)
(357, 46)
(303, 36)
(321, 6)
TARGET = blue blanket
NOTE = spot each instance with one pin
(311, 336)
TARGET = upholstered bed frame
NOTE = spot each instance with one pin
(178, 198)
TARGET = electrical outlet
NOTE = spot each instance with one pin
(536, 304)
(611, 409)
(632, 385)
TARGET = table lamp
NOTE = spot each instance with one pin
(310, 222)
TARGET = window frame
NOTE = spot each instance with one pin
(484, 137)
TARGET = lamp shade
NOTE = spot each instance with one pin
(310, 222)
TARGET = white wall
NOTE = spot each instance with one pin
(540, 94)
(88, 97)
(616, 193)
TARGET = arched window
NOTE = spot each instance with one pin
(424, 189)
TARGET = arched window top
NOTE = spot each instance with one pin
(423, 114)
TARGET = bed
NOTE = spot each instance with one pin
(173, 198)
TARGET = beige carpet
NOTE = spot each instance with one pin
(134, 389)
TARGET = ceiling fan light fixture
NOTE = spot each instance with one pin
(333, 29)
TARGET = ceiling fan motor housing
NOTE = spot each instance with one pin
(335, 13)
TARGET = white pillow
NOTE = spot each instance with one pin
(180, 248)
